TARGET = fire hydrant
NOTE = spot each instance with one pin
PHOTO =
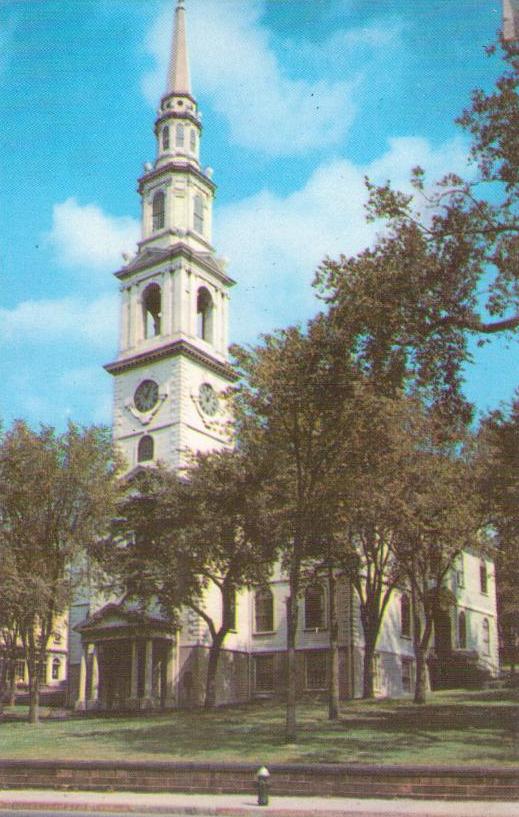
(262, 776)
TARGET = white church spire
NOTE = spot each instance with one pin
(179, 81)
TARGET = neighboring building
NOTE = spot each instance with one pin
(169, 377)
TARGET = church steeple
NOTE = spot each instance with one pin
(172, 364)
(179, 80)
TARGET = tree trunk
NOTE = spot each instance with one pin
(421, 647)
(212, 669)
(291, 724)
(368, 686)
(333, 698)
(421, 686)
(34, 696)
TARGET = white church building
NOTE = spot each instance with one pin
(170, 372)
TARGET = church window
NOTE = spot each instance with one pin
(145, 451)
(264, 611)
(232, 611)
(152, 306)
(180, 136)
(485, 637)
(405, 616)
(314, 608)
(204, 315)
(159, 211)
(483, 578)
(264, 673)
(20, 670)
(462, 631)
(407, 674)
(198, 214)
(165, 137)
(316, 670)
(55, 669)
(193, 140)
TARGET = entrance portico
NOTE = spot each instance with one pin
(127, 662)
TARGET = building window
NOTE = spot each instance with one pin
(264, 673)
(198, 214)
(316, 670)
(407, 675)
(56, 664)
(232, 611)
(264, 611)
(20, 670)
(165, 138)
(485, 637)
(405, 616)
(42, 671)
(315, 618)
(204, 315)
(460, 572)
(193, 140)
(377, 672)
(145, 451)
(462, 631)
(159, 211)
(180, 136)
(152, 305)
(483, 578)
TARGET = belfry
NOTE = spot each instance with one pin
(172, 366)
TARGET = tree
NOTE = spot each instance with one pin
(186, 537)
(499, 440)
(290, 402)
(409, 305)
(56, 497)
(376, 451)
(439, 518)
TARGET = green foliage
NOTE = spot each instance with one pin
(499, 485)
(56, 496)
(408, 306)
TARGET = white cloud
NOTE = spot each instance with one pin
(85, 236)
(71, 319)
(234, 63)
(276, 243)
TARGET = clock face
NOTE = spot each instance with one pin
(146, 395)
(208, 399)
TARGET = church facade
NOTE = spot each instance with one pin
(169, 377)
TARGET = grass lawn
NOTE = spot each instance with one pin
(454, 728)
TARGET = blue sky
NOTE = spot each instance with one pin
(301, 99)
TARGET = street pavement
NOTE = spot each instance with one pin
(238, 805)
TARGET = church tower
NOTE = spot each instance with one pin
(172, 368)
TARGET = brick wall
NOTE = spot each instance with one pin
(288, 779)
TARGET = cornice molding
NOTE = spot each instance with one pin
(174, 349)
(154, 258)
(175, 167)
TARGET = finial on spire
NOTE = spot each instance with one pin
(179, 81)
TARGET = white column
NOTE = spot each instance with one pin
(124, 336)
(166, 305)
(81, 700)
(189, 317)
(94, 678)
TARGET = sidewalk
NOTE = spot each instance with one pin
(237, 805)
